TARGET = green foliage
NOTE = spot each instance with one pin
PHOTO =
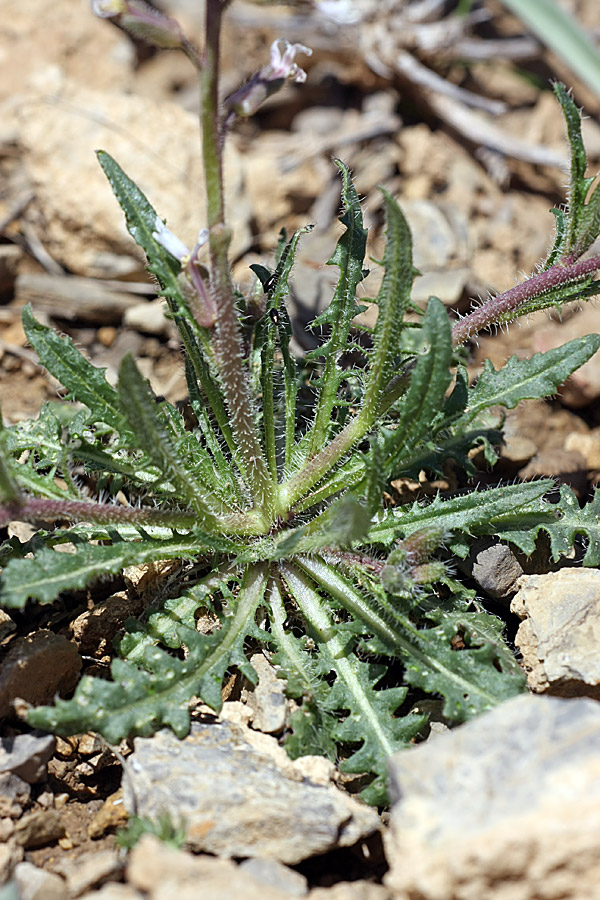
(584, 217)
(559, 29)
(353, 597)
(164, 828)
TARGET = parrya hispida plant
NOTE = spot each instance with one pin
(271, 494)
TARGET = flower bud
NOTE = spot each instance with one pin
(105, 9)
(396, 581)
(419, 545)
(428, 573)
(141, 21)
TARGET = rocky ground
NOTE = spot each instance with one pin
(471, 142)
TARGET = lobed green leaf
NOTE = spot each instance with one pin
(392, 301)
(429, 382)
(50, 572)
(142, 698)
(523, 379)
(85, 382)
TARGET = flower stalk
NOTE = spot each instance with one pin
(508, 305)
(228, 341)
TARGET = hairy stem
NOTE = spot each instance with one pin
(34, 509)
(299, 485)
(498, 308)
(227, 337)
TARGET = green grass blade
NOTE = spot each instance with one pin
(561, 32)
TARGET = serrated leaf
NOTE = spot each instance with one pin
(583, 221)
(9, 487)
(559, 240)
(165, 625)
(86, 383)
(471, 680)
(305, 672)
(349, 256)
(369, 718)
(428, 384)
(522, 379)
(286, 256)
(392, 301)
(476, 512)
(156, 439)
(563, 522)
(50, 572)
(140, 700)
(140, 217)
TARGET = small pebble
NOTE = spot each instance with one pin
(106, 335)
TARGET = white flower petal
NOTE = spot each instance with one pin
(169, 241)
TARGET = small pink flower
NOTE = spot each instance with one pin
(283, 65)
(271, 78)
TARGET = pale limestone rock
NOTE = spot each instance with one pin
(351, 890)
(275, 875)
(165, 873)
(65, 33)
(149, 318)
(14, 795)
(267, 701)
(26, 755)
(504, 807)
(235, 800)
(37, 884)
(560, 634)
(90, 869)
(59, 125)
(115, 891)
(10, 855)
(435, 241)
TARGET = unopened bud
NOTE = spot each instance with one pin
(141, 21)
(194, 283)
(396, 581)
(428, 573)
(105, 9)
(418, 546)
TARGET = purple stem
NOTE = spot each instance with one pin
(495, 309)
(32, 509)
(346, 558)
